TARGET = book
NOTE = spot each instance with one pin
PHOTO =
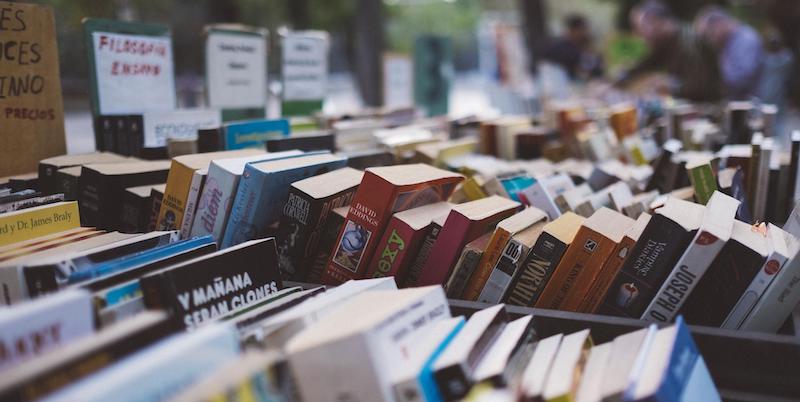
(597, 290)
(503, 233)
(760, 178)
(383, 191)
(37, 327)
(418, 264)
(215, 201)
(717, 292)
(304, 214)
(39, 377)
(625, 350)
(413, 382)
(39, 243)
(714, 232)
(364, 159)
(327, 241)
(536, 270)
(136, 209)
(466, 265)
(597, 238)
(568, 366)
(703, 181)
(48, 167)
(402, 239)
(669, 367)
(534, 378)
(38, 221)
(253, 133)
(731, 182)
(465, 223)
(570, 199)
(592, 377)
(661, 244)
(160, 370)
(454, 369)
(779, 256)
(156, 196)
(179, 181)
(31, 202)
(195, 188)
(311, 141)
(514, 254)
(369, 335)
(201, 289)
(263, 191)
(101, 187)
(250, 318)
(496, 365)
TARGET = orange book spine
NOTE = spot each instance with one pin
(586, 278)
(597, 293)
(489, 259)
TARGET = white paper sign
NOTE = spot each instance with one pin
(181, 124)
(134, 73)
(305, 66)
(398, 73)
(236, 70)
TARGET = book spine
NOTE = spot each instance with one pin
(308, 256)
(362, 229)
(333, 226)
(214, 203)
(135, 124)
(12, 285)
(198, 178)
(89, 186)
(762, 185)
(122, 136)
(576, 260)
(651, 260)
(415, 270)
(754, 291)
(597, 292)
(703, 182)
(453, 383)
(461, 273)
(538, 197)
(794, 164)
(240, 228)
(537, 269)
(300, 214)
(30, 224)
(681, 281)
(449, 244)
(680, 367)
(777, 302)
(67, 185)
(392, 250)
(155, 206)
(494, 250)
(40, 280)
(501, 275)
(170, 217)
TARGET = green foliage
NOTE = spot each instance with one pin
(456, 19)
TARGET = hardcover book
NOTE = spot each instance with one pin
(179, 182)
(303, 217)
(48, 183)
(661, 244)
(497, 365)
(418, 264)
(537, 269)
(253, 133)
(714, 232)
(465, 223)
(201, 289)
(66, 181)
(383, 191)
(263, 191)
(505, 229)
(595, 241)
(466, 265)
(703, 181)
(136, 209)
(102, 187)
(402, 239)
(195, 188)
(306, 142)
(327, 242)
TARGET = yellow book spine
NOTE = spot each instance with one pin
(485, 266)
(170, 216)
(40, 221)
(473, 190)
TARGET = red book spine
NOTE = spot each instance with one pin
(454, 236)
(396, 251)
(359, 236)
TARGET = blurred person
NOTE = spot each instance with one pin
(676, 50)
(739, 49)
(573, 50)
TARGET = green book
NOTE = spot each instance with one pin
(702, 177)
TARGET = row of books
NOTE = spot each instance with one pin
(363, 340)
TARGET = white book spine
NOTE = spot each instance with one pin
(12, 285)
(503, 271)
(195, 187)
(538, 197)
(763, 278)
(214, 204)
(684, 277)
(777, 302)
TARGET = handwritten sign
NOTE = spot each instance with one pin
(305, 65)
(177, 124)
(236, 69)
(31, 108)
(398, 84)
(134, 73)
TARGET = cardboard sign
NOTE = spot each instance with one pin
(236, 68)
(31, 108)
(132, 67)
(177, 124)
(305, 65)
(398, 84)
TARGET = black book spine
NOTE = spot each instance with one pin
(104, 133)
(136, 134)
(135, 213)
(453, 383)
(68, 185)
(47, 179)
(650, 262)
(722, 285)
(773, 194)
(122, 136)
(299, 218)
(155, 207)
(210, 140)
(89, 197)
(415, 269)
(663, 173)
(40, 279)
(531, 279)
(327, 241)
(793, 166)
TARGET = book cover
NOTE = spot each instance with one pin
(714, 232)
(537, 269)
(303, 217)
(306, 142)
(179, 181)
(263, 190)
(593, 244)
(703, 181)
(662, 243)
(415, 271)
(39, 221)
(201, 289)
(465, 223)
(101, 187)
(717, 292)
(382, 192)
(48, 167)
(136, 209)
(327, 242)
(67, 182)
(156, 196)
(253, 133)
(466, 265)
(401, 240)
(195, 188)
(568, 366)
(216, 199)
(542, 194)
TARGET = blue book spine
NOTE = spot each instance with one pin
(240, 226)
(681, 364)
(124, 292)
(517, 184)
(255, 133)
(427, 383)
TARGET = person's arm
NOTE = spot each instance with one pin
(741, 63)
(650, 63)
